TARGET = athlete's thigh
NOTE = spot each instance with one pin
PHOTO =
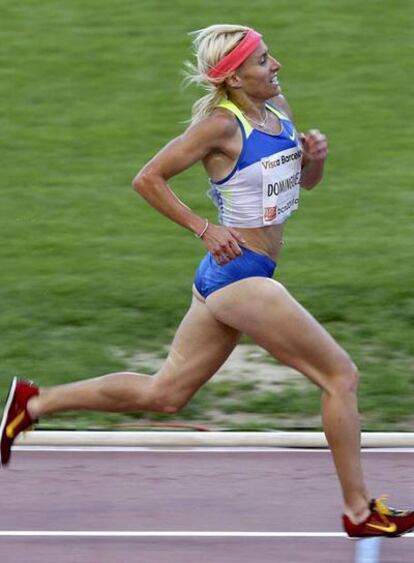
(201, 345)
(265, 311)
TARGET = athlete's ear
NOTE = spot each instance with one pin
(234, 81)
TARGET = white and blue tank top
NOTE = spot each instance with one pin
(263, 187)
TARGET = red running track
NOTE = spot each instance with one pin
(188, 491)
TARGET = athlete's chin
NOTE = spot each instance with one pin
(273, 91)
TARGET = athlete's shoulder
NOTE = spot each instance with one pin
(218, 126)
(222, 121)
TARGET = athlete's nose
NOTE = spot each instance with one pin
(276, 65)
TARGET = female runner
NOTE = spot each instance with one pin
(243, 134)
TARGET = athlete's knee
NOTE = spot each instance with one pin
(345, 380)
(168, 403)
(165, 398)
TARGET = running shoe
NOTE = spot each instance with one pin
(15, 419)
(383, 521)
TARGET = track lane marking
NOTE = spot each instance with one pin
(195, 449)
(170, 534)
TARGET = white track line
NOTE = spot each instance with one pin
(194, 449)
(172, 534)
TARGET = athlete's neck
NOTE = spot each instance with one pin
(251, 108)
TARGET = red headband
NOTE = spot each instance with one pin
(238, 55)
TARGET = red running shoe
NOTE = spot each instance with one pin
(15, 419)
(383, 521)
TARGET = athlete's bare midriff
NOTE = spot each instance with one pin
(264, 240)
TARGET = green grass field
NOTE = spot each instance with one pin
(90, 274)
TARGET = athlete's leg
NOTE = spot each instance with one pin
(264, 310)
(201, 345)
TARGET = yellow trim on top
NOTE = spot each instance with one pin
(227, 104)
(277, 112)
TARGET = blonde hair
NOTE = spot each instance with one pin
(211, 44)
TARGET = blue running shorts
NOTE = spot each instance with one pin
(210, 277)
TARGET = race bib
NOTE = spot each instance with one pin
(281, 184)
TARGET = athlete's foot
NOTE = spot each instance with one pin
(381, 521)
(16, 418)
(358, 516)
(32, 407)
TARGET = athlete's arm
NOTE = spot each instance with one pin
(199, 140)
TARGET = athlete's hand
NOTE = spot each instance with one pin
(223, 243)
(315, 146)
(315, 151)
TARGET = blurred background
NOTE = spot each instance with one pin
(93, 280)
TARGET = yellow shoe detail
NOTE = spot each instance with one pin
(389, 528)
(11, 427)
(383, 511)
(380, 506)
